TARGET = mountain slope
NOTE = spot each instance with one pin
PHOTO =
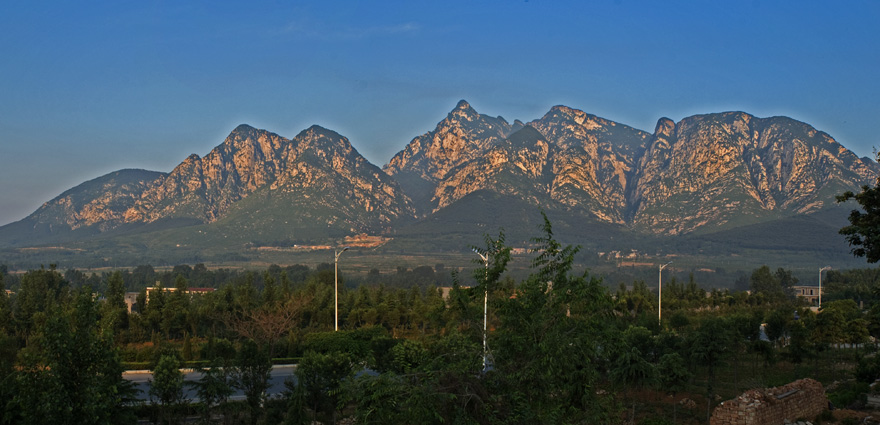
(92, 207)
(722, 170)
(427, 160)
(607, 186)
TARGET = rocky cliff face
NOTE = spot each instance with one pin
(720, 169)
(594, 162)
(567, 159)
(463, 136)
(717, 170)
(705, 173)
(205, 188)
(101, 202)
(316, 177)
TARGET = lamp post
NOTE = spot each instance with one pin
(485, 258)
(820, 283)
(336, 287)
(660, 290)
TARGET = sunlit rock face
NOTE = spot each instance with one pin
(101, 202)
(717, 169)
(567, 159)
(315, 161)
(594, 161)
(428, 160)
(705, 172)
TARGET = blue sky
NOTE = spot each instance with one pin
(87, 88)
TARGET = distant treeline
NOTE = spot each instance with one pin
(199, 276)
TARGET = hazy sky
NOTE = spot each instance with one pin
(89, 88)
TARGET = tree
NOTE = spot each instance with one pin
(115, 312)
(5, 310)
(772, 287)
(167, 385)
(268, 323)
(321, 376)
(71, 373)
(252, 368)
(708, 344)
(549, 339)
(632, 370)
(673, 376)
(41, 290)
(214, 387)
(863, 232)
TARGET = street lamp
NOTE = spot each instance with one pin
(660, 290)
(336, 286)
(820, 283)
(485, 258)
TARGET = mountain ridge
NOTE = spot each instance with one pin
(706, 173)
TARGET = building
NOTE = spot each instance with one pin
(131, 297)
(809, 293)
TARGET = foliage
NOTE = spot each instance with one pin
(561, 347)
(863, 232)
(251, 374)
(213, 388)
(71, 372)
(321, 377)
(166, 387)
(547, 340)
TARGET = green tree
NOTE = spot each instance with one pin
(213, 388)
(115, 312)
(5, 309)
(772, 287)
(252, 368)
(708, 345)
(321, 377)
(166, 387)
(176, 309)
(549, 338)
(41, 290)
(630, 369)
(863, 232)
(71, 373)
(673, 377)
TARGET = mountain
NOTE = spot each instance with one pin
(707, 180)
(427, 160)
(595, 162)
(722, 170)
(704, 174)
(255, 182)
(90, 208)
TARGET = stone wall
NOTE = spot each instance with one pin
(773, 406)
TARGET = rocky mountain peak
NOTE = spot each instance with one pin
(709, 171)
(463, 111)
(243, 129)
(665, 127)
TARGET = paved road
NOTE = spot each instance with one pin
(142, 378)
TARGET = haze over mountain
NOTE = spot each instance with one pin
(703, 175)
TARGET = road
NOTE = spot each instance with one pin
(142, 378)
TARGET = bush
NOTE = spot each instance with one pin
(825, 416)
(868, 369)
(849, 394)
